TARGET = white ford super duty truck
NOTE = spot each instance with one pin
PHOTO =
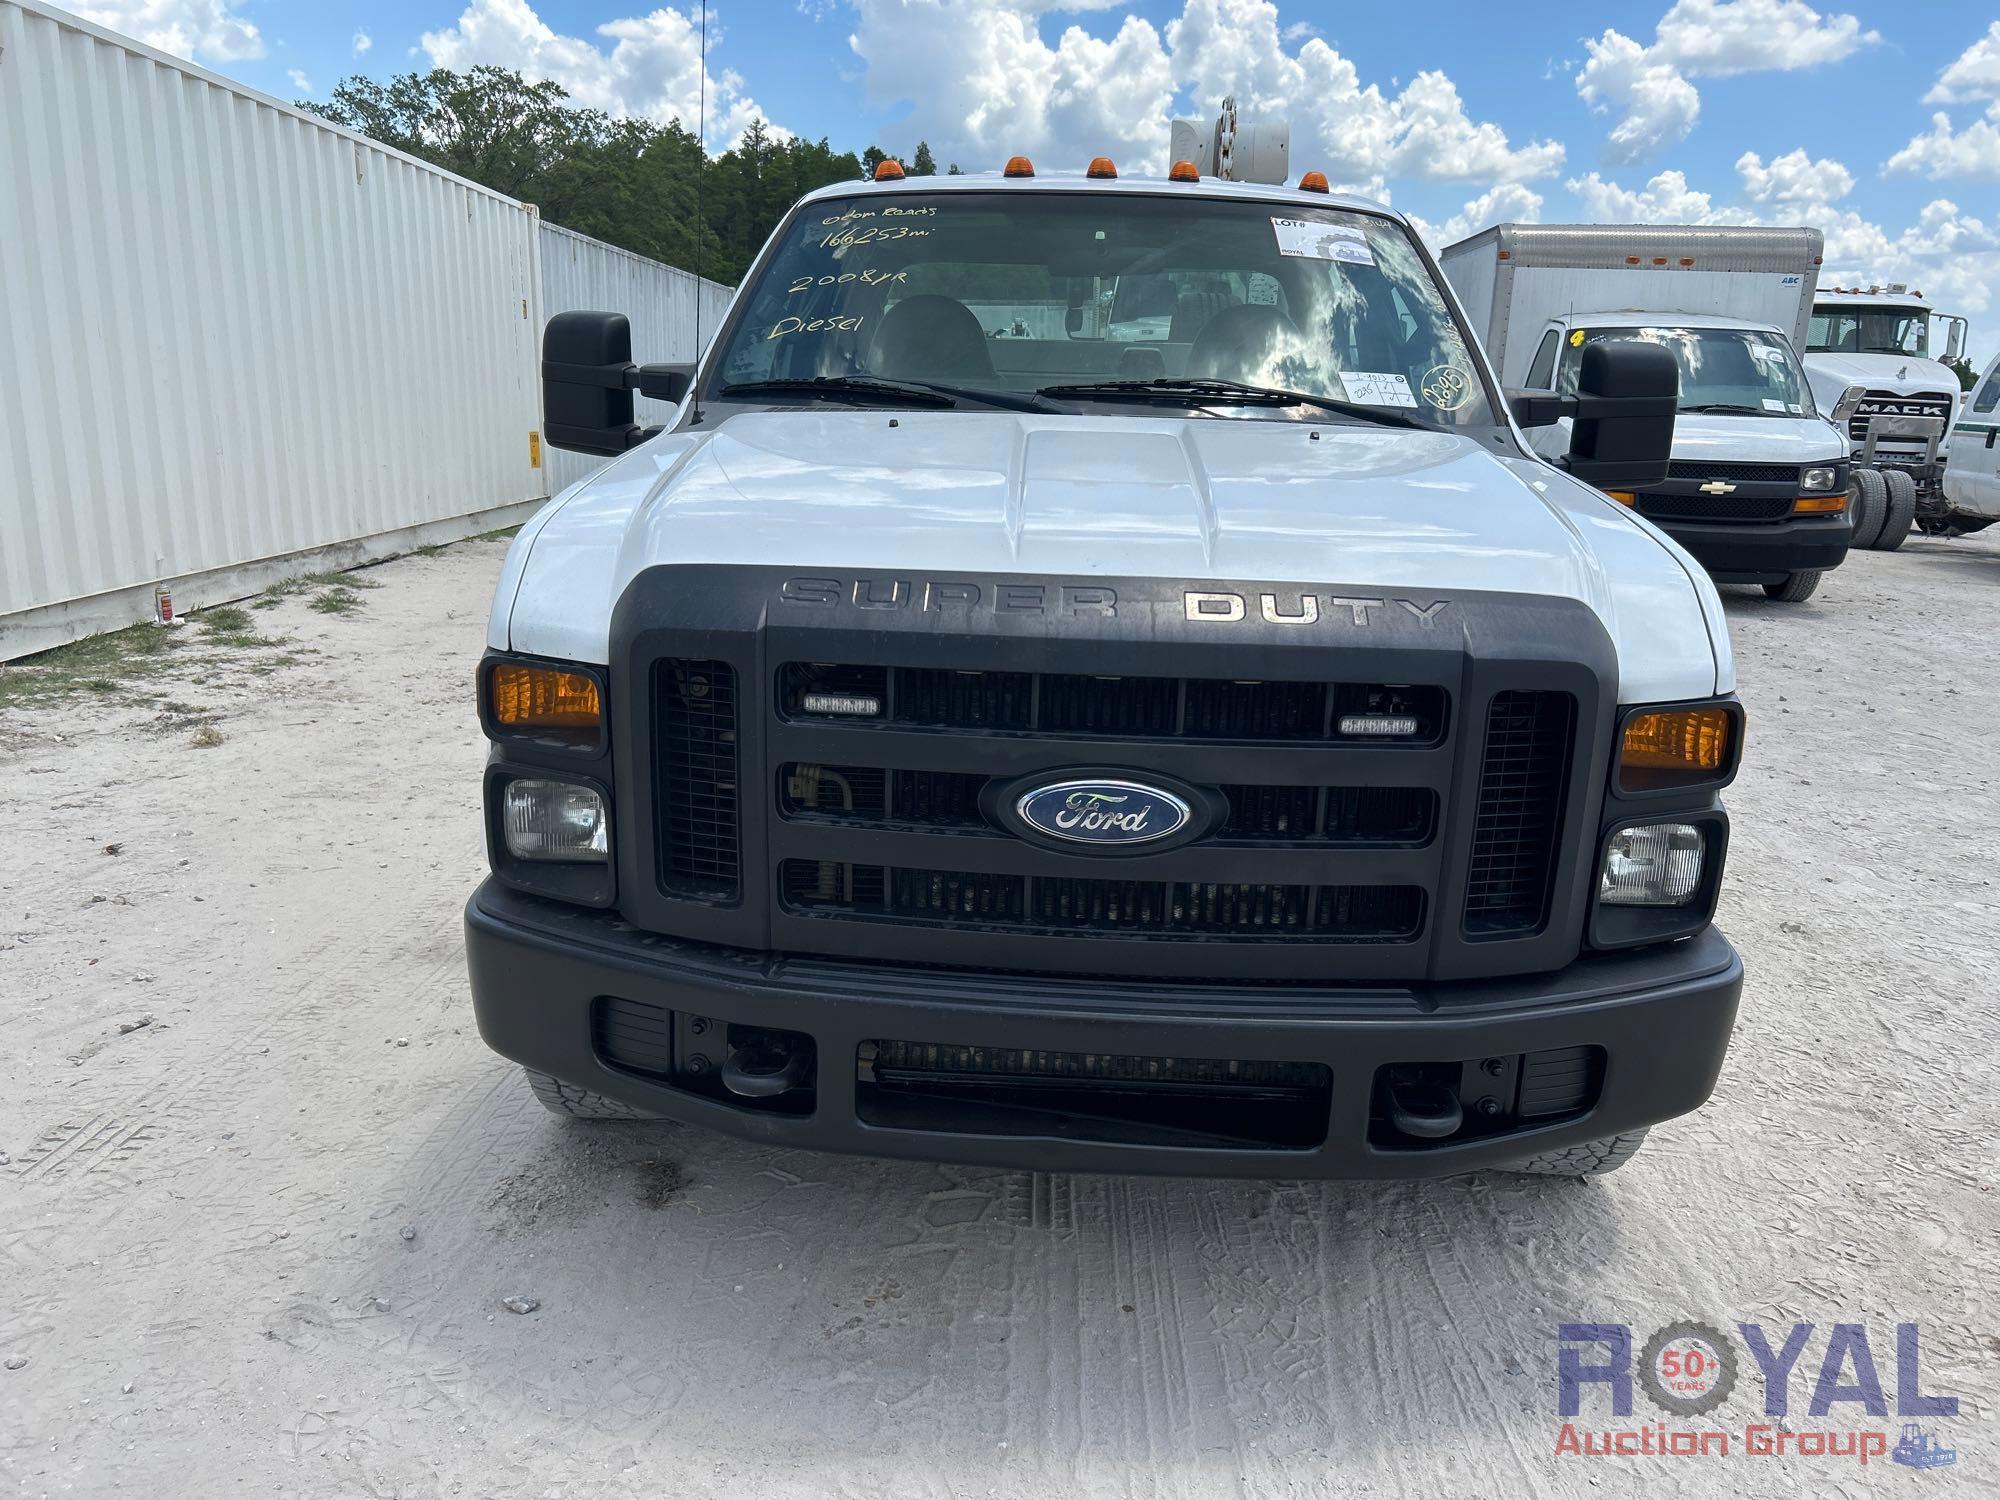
(1092, 675)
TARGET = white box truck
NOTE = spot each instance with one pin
(1758, 487)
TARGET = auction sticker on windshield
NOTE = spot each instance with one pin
(1377, 388)
(1315, 241)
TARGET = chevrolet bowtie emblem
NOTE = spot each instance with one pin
(1718, 487)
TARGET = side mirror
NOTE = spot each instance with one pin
(1539, 408)
(1072, 321)
(1626, 395)
(588, 379)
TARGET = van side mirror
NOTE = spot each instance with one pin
(1538, 408)
(1623, 433)
(588, 379)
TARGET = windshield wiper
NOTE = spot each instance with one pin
(930, 393)
(1726, 408)
(1227, 392)
(842, 388)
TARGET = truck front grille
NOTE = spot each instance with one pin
(1888, 403)
(1715, 507)
(1121, 707)
(1069, 905)
(1701, 469)
(1521, 785)
(695, 733)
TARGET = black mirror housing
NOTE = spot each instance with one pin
(1538, 408)
(587, 383)
(1627, 392)
(669, 383)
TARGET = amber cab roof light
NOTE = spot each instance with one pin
(889, 171)
(1313, 182)
(1102, 166)
(1184, 171)
(1018, 166)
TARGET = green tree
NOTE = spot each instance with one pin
(1962, 368)
(647, 187)
(872, 158)
(923, 164)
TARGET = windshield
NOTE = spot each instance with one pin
(1869, 330)
(1017, 291)
(1737, 369)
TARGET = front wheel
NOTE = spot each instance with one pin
(1868, 503)
(1585, 1159)
(1796, 587)
(1902, 510)
(560, 1098)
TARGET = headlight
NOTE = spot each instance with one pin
(1652, 864)
(555, 820)
(1821, 478)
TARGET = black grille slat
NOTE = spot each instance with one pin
(968, 700)
(1521, 785)
(1715, 507)
(695, 703)
(1069, 905)
(1698, 469)
(1255, 710)
(1109, 705)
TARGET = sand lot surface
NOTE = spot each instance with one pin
(263, 1190)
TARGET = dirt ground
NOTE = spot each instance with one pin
(260, 1242)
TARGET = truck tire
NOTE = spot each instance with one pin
(1586, 1159)
(1796, 588)
(1902, 510)
(1868, 505)
(560, 1098)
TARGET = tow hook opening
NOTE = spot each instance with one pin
(764, 1063)
(1417, 1105)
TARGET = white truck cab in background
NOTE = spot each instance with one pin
(1972, 473)
(1758, 487)
(1870, 359)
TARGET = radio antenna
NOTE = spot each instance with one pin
(700, 171)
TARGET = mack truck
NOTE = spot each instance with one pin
(1868, 356)
(1220, 747)
(1758, 489)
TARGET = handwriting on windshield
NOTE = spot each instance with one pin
(868, 277)
(891, 211)
(871, 234)
(785, 327)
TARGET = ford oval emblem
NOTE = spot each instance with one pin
(1103, 812)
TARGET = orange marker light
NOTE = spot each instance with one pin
(889, 171)
(1019, 166)
(1807, 505)
(526, 699)
(1183, 171)
(1101, 166)
(1676, 747)
(1313, 182)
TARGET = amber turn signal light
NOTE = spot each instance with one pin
(1018, 166)
(1623, 497)
(1184, 171)
(545, 701)
(1102, 166)
(1313, 182)
(1811, 505)
(1676, 747)
(888, 171)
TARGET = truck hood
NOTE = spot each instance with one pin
(899, 494)
(1719, 437)
(1904, 374)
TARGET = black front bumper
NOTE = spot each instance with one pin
(1662, 1017)
(1763, 551)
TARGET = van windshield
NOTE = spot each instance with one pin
(1015, 292)
(1869, 330)
(1724, 370)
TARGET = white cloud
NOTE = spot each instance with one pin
(1509, 203)
(1975, 74)
(652, 66)
(1793, 179)
(1648, 86)
(982, 83)
(300, 83)
(362, 42)
(1973, 152)
(1667, 199)
(207, 29)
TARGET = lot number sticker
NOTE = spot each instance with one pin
(1310, 240)
(1377, 388)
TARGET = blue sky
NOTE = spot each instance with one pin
(1880, 123)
